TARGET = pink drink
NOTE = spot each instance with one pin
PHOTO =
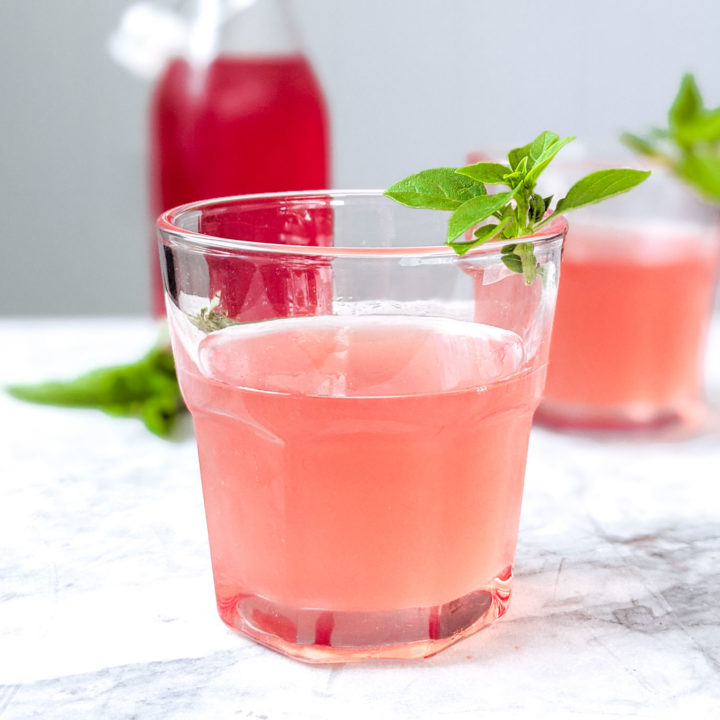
(630, 326)
(361, 472)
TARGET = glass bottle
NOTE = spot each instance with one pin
(241, 112)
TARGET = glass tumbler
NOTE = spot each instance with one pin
(362, 399)
(634, 308)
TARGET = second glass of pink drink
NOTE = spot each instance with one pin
(362, 438)
(634, 307)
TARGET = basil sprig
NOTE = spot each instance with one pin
(516, 212)
(690, 144)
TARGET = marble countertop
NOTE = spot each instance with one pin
(106, 598)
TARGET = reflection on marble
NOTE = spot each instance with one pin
(107, 610)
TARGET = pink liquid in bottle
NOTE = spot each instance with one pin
(237, 125)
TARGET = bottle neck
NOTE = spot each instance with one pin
(242, 27)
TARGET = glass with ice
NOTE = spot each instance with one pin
(362, 399)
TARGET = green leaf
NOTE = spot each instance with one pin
(436, 189)
(512, 262)
(543, 142)
(517, 154)
(687, 104)
(704, 128)
(487, 232)
(530, 269)
(516, 177)
(531, 159)
(474, 212)
(483, 234)
(159, 414)
(599, 186)
(533, 150)
(639, 145)
(703, 172)
(660, 133)
(147, 389)
(543, 160)
(511, 228)
(536, 208)
(486, 172)
(209, 319)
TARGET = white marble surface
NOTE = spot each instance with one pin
(107, 609)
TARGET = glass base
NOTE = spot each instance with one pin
(325, 636)
(643, 418)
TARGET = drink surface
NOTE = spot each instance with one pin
(239, 125)
(360, 463)
(631, 320)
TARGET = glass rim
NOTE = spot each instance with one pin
(167, 226)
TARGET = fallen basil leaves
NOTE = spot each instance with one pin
(146, 389)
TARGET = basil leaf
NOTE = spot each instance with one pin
(533, 150)
(703, 128)
(475, 211)
(687, 104)
(703, 172)
(512, 230)
(209, 320)
(147, 389)
(536, 208)
(543, 160)
(509, 221)
(530, 269)
(639, 144)
(159, 413)
(599, 186)
(512, 262)
(543, 142)
(486, 172)
(487, 232)
(436, 189)
(483, 234)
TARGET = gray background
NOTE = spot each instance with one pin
(409, 83)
